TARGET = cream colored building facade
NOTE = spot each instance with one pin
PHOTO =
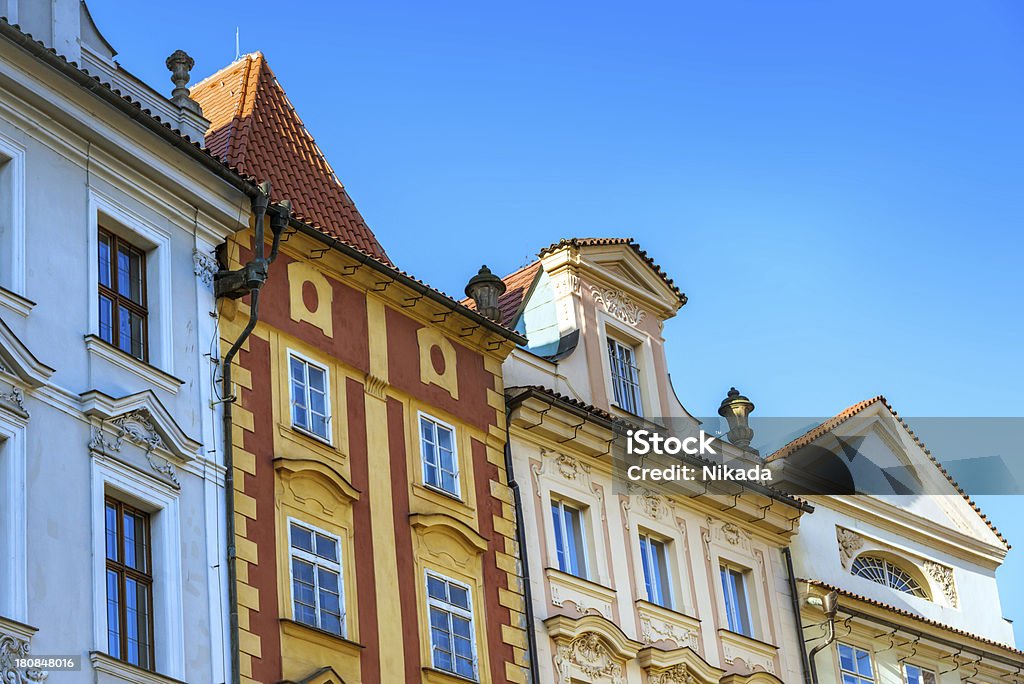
(588, 307)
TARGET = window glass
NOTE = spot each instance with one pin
(570, 545)
(625, 377)
(654, 560)
(882, 571)
(452, 639)
(855, 665)
(737, 606)
(440, 460)
(310, 403)
(129, 584)
(317, 591)
(917, 675)
(122, 295)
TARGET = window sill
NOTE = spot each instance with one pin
(753, 651)
(125, 672)
(301, 630)
(151, 374)
(431, 674)
(311, 435)
(444, 492)
(585, 594)
(16, 303)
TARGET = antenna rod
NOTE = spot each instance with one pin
(237, 51)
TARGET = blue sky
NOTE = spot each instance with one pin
(836, 186)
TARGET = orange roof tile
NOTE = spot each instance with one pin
(849, 412)
(254, 127)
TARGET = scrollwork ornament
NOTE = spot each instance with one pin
(849, 543)
(204, 266)
(943, 576)
(11, 650)
(14, 398)
(619, 304)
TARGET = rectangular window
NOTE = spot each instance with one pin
(452, 639)
(625, 377)
(318, 598)
(570, 543)
(917, 675)
(129, 585)
(311, 406)
(122, 293)
(855, 665)
(654, 558)
(440, 458)
(737, 603)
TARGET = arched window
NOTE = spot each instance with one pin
(882, 571)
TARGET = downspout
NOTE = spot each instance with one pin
(248, 279)
(829, 604)
(804, 672)
(524, 561)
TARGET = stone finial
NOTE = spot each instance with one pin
(180, 66)
(736, 410)
(485, 288)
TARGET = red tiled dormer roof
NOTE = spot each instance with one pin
(254, 128)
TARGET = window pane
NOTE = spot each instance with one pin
(448, 482)
(302, 571)
(317, 379)
(124, 277)
(302, 538)
(846, 657)
(864, 663)
(331, 622)
(444, 439)
(326, 547)
(574, 527)
(458, 596)
(437, 588)
(144, 639)
(137, 286)
(298, 369)
(104, 254)
(106, 319)
(330, 602)
(110, 514)
(556, 516)
(131, 620)
(137, 331)
(129, 539)
(328, 580)
(113, 615)
(742, 606)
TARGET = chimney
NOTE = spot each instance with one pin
(190, 114)
(485, 288)
(736, 410)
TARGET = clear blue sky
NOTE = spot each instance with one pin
(836, 186)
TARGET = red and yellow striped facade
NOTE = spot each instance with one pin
(390, 354)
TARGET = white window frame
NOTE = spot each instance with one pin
(12, 175)
(922, 670)
(420, 417)
(729, 594)
(635, 384)
(14, 561)
(861, 679)
(668, 595)
(452, 609)
(161, 501)
(317, 561)
(584, 557)
(156, 244)
(329, 418)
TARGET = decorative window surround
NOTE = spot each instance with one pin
(16, 642)
(584, 594)
(110, 477)
(13, 515)
(12, 217)
(157, 245)
(754, 652)
(147, 372)
(662, 624)
(16, 303)
(124, 672)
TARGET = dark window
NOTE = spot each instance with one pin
(129, 585)
(122, 292)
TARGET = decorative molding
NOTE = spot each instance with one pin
(585, 595)
(728, 532)
(942, 575)
(151, 374)
(204, 266)
(677, 674)
(756, 654)
(588, 654)
(375, 386)
(653, 631)
(15, 644)
(849, 544)
(135, 427)
(619, 304)
(14, 400)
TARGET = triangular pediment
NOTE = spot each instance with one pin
(141, 418)
(618, 266)
(17, 360)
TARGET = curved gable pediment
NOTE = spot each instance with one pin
(16, 359)
(141, 418)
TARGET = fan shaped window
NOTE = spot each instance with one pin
(882, 571)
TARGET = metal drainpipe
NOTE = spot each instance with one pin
(829, 604)
(259, 206)
(531, 637)
(804, 671)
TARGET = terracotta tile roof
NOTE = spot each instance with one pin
(849, 412)
(254, 127)
(906, 613)
(590, 242)
(517, 287)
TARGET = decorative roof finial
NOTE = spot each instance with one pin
(485, 288)
(180, 66)
(736, 410)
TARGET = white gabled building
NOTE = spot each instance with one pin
(111, 485)
(910, 558)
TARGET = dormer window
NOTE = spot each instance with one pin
(625, 377)
(883, 572)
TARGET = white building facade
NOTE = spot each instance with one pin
(112, 486)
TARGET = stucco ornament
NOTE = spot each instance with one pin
(849, 544)
(653, 631)
(12, 648)
(135, 427)
(568, 466)
(204, 266)
(677, 674)
(588, 654)
(943, 576)
(14, 399)
(619, 304)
